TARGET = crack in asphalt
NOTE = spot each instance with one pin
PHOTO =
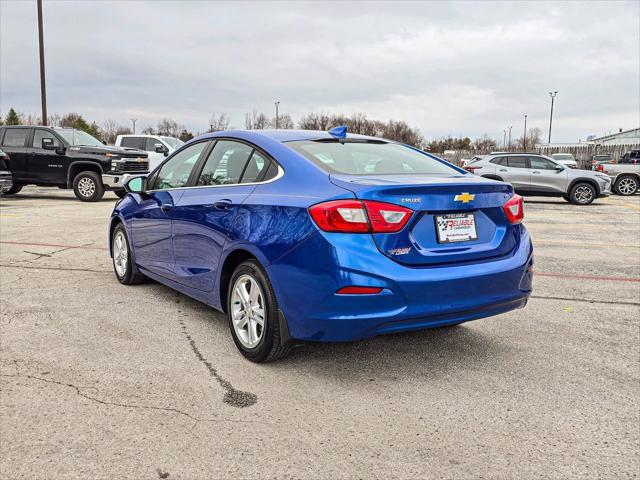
(232, 396)
(586, 300)
(66, 269)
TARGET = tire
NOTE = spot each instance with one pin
(626, 185)
(582, 193)
(258, 343)
(88, 186)
(126, 270)
(567, 198)
(120, 193)
(15, 188)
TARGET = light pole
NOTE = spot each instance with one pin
(510, 127)
(524, 137)
(43, 88)
(277, 104)
(504, 139)
(134, 120)
(553, 96)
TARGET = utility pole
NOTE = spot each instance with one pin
(553, 96)
(134, 120)
(277, 104)
(510, 127)
(504, 139)
(524, 138)
(43, 87)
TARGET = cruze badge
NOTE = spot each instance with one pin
(464, 197)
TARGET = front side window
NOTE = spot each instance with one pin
(15, 137)
(370, 158)
(39, 134)
(176, 170)
(78, 137)
(150, 145)
(542, 163)
(225, 164)
(517, 162)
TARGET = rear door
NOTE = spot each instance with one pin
(515, 170)
(14, 143)
(204, 214)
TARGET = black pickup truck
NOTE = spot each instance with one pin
(68, 158)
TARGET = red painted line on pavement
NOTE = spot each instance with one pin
(586, 277)
(84, 247)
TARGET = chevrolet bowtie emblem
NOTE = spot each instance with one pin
(464, 197)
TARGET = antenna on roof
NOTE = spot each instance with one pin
(339, 132)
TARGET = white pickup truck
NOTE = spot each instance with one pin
(157, 146)
(625, 175)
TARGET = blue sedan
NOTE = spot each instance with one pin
(323, 236)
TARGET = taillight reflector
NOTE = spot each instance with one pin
(359, 290)
(356, 216)
(514, 209)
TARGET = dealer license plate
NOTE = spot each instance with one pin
(456, 227)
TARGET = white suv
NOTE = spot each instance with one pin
(157, 146)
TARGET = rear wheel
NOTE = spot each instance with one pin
(124, 265)
(88, 186)
(626, 185)
(253, 314)
(15, 188)
(582, 193)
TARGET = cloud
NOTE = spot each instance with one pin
(455, 67)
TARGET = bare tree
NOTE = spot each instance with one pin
(315, 121)
(284, 122)
(169, 127)
(484, 144)
(534, 137)
(54, 119)
(148, 130)
(109, 130)
(218, 123)
(261, 122)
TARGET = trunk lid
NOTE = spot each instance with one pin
(433, 199)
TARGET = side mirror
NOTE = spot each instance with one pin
(48, 144)
(559, 168)
(161, 148)
(136, 184)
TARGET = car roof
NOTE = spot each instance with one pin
(287, 135)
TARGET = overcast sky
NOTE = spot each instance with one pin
(456, 68)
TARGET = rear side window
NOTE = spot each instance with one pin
(225, 164)
(133, 142)
(15, 137)
(370, 158)
(517, 162)
(257, 163)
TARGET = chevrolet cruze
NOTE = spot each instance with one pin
(323, 236)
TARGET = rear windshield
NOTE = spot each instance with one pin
(370, 158)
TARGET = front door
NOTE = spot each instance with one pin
(204, 215)
(546, 177)
(50, 165)
(152, 235)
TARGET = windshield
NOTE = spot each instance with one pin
(562, 156)
(78, 137)
(173, 142)
(370, 158)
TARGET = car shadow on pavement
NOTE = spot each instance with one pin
(22, 197)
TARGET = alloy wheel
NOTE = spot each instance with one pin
(627, 186)
(86, 187)
(583, 194)
(120, 254)
(248, 311)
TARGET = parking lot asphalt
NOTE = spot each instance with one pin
(100, 380)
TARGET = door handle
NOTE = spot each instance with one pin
(503, 169)
(535, 171)
(223, 204)
(165, 207)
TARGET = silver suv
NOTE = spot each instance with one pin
(532, 174)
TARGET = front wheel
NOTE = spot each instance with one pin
(582, 193)
(123, 264)
(626, 185)
(88, 186)
(15, 188)
(253, 314)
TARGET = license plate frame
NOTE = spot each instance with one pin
(458, 231)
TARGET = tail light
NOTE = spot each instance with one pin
(514, 209)
(470, 168)
(600, 168)
(355, 216)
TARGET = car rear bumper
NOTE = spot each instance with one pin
(115, 181)
(306, 281)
